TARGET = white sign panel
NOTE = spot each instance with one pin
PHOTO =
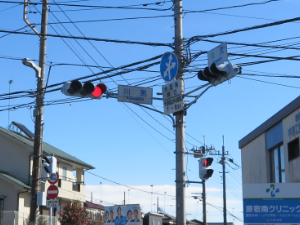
(138, 95)
(173, 97)
(53, 203)
(41, 198)
(217, 55)
(276, 204)
(271, 191)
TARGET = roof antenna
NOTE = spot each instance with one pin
(9, 84)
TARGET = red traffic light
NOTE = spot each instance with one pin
(83, 90)
(207, 162)
(99, 90)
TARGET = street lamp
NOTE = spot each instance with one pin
(28, 62)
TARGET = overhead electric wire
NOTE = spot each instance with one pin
(86, 6)
(93, 39)
(253, 44)
(100, 73)
(268, 82)
(11, 7)
(200, 37)
(133, 188)
(14, 30)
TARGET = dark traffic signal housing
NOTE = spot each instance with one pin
(217, 74)
(83, 90)
(204, 168)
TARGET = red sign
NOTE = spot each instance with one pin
(52, 192)
(53, 178)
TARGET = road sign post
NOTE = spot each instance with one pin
(52, 203)
(173, 97)
(53, 178)
(217, 55)
(138, 95)
(168, 66)
(52, 192)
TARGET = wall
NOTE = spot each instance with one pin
(24, 202)
(254, 161)
(18, 153)
(292, 167)
(8, 189)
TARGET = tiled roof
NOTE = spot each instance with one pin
(93, 205)
(49, 149)
(13, 179)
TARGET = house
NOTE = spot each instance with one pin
(15, 174)
(96, 212)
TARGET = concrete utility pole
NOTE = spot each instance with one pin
(180, 134)
(204, 202)
(39, 122)
(224, 184)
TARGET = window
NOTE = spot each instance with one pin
(277, 166)
(64, 173)
(293, 149)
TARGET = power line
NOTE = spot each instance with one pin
(93, 39)
(200, 37)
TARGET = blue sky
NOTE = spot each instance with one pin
(123, 141)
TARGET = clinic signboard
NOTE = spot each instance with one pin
(271, 204)
(122, 215)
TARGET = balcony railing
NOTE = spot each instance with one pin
(76, 186)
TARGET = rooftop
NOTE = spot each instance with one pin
(47, 148)
(269, 123)
(13, 179)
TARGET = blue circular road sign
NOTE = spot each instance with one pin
(168, 66)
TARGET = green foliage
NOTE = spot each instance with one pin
(74, 214)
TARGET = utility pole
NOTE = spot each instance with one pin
(204, 202)
(124, 197)
(180, 134)
(224, 184)
(39, 122)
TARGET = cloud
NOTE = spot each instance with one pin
(164, 197)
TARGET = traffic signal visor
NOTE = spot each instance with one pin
(83, 90)
(49, 166)
(204, 164)
(216, 74)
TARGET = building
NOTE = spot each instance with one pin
(270, 153)
(15, 174)
(152, 218)
(96, 212)
(270, 169)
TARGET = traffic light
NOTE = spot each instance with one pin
(83, 90)
(217, 74)
(204, 168)
(49, 165)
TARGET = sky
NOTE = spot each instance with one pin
(131, 147)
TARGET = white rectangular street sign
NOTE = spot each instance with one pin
(173, 97)
(53, 203)
(139, 95)
(217, 55)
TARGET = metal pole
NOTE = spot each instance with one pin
(50, 218)
(204, 202)
(39, 110)
(180, 134)
(224, 184)
(124, 197)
